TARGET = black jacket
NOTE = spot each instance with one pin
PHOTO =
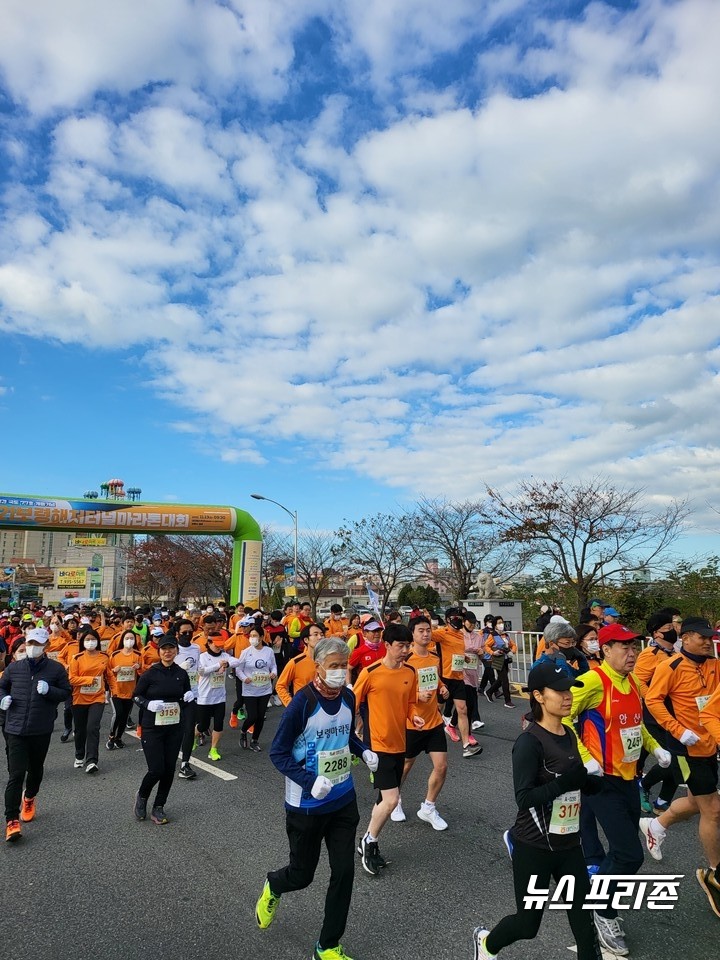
(168, 684)
(30, 712)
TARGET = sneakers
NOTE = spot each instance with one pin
(398, 814)
(652, 843)
(129, 723)
(477, 725)
(277, 701)
(244, 741)
(472, 741)
(660, 806)
(12, 831)
(92, 767)
(432, 817)
(452, 732)
(472, 751)
(266, 906)
(214, 754)
(119, 745)
(65, 736)
(610, 935)
(255, 746)
(140, 808)
(200, 740)
(332, 953)
(78, 763)
(186, 772)
(706, 879)
(27, 809)
(592, 869)
(233, 721)
(110, 745)
(158, 816)
(509, 706)
(241, 715)
(487, 696)
(507, 840)
(645, 802)
(480, 935)
(370, 853)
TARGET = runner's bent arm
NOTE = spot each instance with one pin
(527, 762)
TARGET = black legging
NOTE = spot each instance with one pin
(121, 711)
(530, 861)
(161, 746)
(471, 699)
(487, 677)
(239, 697)
(255, 708)
(189, 715)
(668, 776)
(503, 681)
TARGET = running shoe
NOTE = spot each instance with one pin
(278, 701)
(241, 715)
(92, 767)
(233, 721)
(477, 725)
(592, 869)
(652, 843)
(706, 879)
(480, 935)
(140, 809)
(65, 736)
(186, 772)
(12, 831)
(509, 706)
(370, 856)
(472, 751)
(119, 745)
(159, 816)
(433, 818)
(645, 802)
(610, 935)
(331, 953)
(244, 741)
(78, 763)
(255, 746)
(660, 806)
(398, 814)
(200, 740)
(487, 696)
(214, 754)
(110, 745)
(507, 840)
(266, 906)
(452, 732)
(130, 723)
(472, 741)
(27, 810)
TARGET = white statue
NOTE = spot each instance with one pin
(486, 587)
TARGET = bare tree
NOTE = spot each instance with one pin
(212, 558)
(316, 564)
(461, 536)
(587, 532)
(277, 552)
(379, 550)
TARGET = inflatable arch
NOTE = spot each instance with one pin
(30, 512)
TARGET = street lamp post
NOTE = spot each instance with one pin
(259, 496)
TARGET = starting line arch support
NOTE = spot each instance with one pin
(33, 512)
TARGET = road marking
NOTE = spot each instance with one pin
(605, 954)
(208, 768)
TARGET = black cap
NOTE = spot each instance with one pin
(697, 625)
(167, 641)
(548, 675)
(658, 620)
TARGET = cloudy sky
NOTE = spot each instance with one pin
(347, 253)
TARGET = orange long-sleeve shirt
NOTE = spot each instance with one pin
(336, 628)
(124, 668)
(89, 677)
(689, 687)
(647, 663)
(297, 673)
(710, 716)
(391, 697)
(451, 645)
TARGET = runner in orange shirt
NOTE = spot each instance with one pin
(300, 670)
(450, 644)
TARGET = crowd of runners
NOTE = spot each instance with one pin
(621, 735)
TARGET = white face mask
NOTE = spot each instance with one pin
(21, 656)
(54, 628)
(256, 641)
(90, 644)
(129, 643)
(34, 651)
(335, 678)
(592, 646)
(499, 627)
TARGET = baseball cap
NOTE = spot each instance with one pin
(167, 641)
(616, 631)
(372, 625)
(548, 675)
(596, 603)
(697, 625)
(156, 631)
(38, 635)
(610, 612)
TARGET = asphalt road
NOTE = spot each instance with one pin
(87, 880)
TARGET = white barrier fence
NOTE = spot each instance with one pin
(526, 642)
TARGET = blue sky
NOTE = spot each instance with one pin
(348, 254)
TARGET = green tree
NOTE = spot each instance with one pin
(422, 596)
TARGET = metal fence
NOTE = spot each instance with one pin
(526, 642)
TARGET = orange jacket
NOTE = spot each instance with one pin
(689, 687)
(336, 628)
(710, 716)
(89, 677)
(646, 664)
(297, 674)
(150, 655)
(124, 668)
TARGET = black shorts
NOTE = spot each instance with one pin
(388, 775)
(430, 741)
(456, 689)
(210, 711)
(702, 778)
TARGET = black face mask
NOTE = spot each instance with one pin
(670, 636)
(455, 622)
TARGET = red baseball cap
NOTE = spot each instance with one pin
(616, 631)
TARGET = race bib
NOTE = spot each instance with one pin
(458, 662)
(334, 764)
(54, 655)
(702, 702)
(631, 738)
(217, 680)
(104, 644)
(471, 661)
(260, 679)
(565, 817)
(94, 687)
(193, 677)
(125, 674)
(169, 715)
(427, 679)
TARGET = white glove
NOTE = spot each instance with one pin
(370, 759)
(186, 664)
(155, 706)
(5, 702)
(593, 768)
(42, 687)
(688, 738)
(664, 757)
(189, 696)
(321, 788)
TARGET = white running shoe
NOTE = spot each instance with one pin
(433, 818)
(398, 814)
(477, 724)
(480, 935)
(652, 842)
(610, 935)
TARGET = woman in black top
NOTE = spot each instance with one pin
(161, 693)
(548, 776)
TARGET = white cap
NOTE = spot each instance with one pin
(38, 635)
(556, 618)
